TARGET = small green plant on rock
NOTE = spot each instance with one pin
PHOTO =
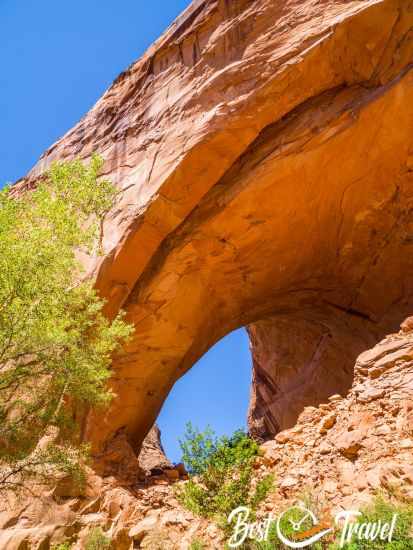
(197, 545)
(221, 474)
(97, 540)
(62, 546)
(383, 509)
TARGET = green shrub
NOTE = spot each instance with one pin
(380, 509)
(97, 540)
(55, 343)
(62, 546)
(197, 545)
(384, 509)
(221, 474)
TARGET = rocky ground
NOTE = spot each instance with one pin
(346, 449)
(338, 455)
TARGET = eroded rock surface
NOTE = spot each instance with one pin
(339, 453)
(263, 153)
(300, 360)
(264, 157)
(351, 446)
(152, 457)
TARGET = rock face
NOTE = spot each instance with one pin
(264, 157)
(340, 452)
(300, 361)
(152, 457)
(350, 447)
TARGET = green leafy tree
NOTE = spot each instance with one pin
(55, 343)
(221, 474)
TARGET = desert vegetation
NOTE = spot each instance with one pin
(221, 475)
(382, 508)
(55, 343)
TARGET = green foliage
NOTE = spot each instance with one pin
(62, 546)
(97, 540)
(383, 510)
(201, 450)
(197, 449)
(197, 545)
(55, 343)
(221, 474)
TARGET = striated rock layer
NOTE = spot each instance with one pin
(264, 156)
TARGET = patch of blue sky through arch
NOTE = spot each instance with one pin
(214, 392)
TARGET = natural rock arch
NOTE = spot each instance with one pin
(263, 154)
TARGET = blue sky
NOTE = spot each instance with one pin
(215, 392)
(56, 59)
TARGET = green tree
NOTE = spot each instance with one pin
(55, 343)
(221, 474)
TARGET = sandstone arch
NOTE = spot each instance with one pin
(264, 155)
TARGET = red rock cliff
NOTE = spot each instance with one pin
(263, 152)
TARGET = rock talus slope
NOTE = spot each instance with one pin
(263, 153)
(349, 447)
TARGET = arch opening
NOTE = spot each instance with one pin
(305, 238)
(215, 393)
(262, 377)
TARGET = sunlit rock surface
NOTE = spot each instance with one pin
(263, 154)
(341, 453)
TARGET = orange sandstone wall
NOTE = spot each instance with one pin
(263, 153)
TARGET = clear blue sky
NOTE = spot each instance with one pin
(215, 392)
(56, 59)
